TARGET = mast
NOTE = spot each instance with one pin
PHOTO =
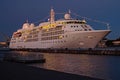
(52, 15)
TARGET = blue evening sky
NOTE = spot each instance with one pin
(13, 13)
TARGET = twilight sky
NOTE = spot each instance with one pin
(13, 13)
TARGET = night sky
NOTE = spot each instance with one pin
(13, 13)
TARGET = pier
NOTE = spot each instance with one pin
(24, 57)
(95, 51)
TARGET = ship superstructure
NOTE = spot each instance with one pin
(63, 33)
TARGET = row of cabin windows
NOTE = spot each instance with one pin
(50, 38)
(56, 42)
(53, 37)
(31, 40)
(52, 29)
(72, 22)
(32, 33)
(56, 28)
(32, 36)
(86, 28)
(83, 26)
(27, 40)
(53, 33)
(83, 30)
(75, 22)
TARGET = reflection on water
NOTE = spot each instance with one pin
(105, 67)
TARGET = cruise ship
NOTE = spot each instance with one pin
(63, 33)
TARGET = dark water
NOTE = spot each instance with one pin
(104, 67)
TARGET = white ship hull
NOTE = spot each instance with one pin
(64, 33)
(78, 39)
